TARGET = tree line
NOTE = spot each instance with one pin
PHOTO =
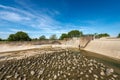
(23, 36)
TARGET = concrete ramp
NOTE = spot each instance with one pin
(107, 47)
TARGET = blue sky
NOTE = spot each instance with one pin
(47, 17)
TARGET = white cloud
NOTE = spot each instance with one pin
(44, 23)
(11, 16)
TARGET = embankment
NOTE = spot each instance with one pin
(107, 47)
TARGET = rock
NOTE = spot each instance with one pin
(55, 77)
(64, 76)
(115, 75)
(41, 71)
(90, 71)
(102, 73)
(109, 71)
(68, 68)
(81, 72)
(16, 75)
(90, 64)
(95, 76)
(113, 78)
(73, 67)
(96, 79)
(8, 76)
(91, 68)
(86, 76)
(32, 72)
(24, 78)
(69, 74)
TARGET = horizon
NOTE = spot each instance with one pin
(48, 17)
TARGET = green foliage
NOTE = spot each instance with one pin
(11, 37)
(0, 39)
(42, 37)
(53, 37)
(63, 36)
(35, 39)
(102, 35)
(19, 36)
(74, 33)
(118, 35)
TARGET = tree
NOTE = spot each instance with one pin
(74, 33)
(19, 36)
(0, 39)
(11, 37)
(63, 36)
(103, 35)
(53, 37)
(42, 37)
(118, 35)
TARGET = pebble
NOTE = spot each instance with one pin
(95, 76)
(115, 75)
(16, 75)
(81, 72)
(102, 73)
(109, 71)
(87, 76)
(55, 77)
(32, 72)
(8, 76)
(90, 71)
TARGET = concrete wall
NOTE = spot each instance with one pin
(107, 47)
(75, 42)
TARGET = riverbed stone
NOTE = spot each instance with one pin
(57, 66)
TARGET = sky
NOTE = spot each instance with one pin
(47, 17)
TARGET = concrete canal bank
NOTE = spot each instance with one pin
(107, 47)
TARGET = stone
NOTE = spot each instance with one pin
(90, 64)
(96, 79)
(109, 71)
(32, 72)
(81, 72)
(102, 73)
(64, 76)
(69, 74)
(95, 76)
(8, 76)
(55, 77)
(16, 75)
(86, 76)
(90, 71)
(41, 71)
(115, 75)
(91, 68)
